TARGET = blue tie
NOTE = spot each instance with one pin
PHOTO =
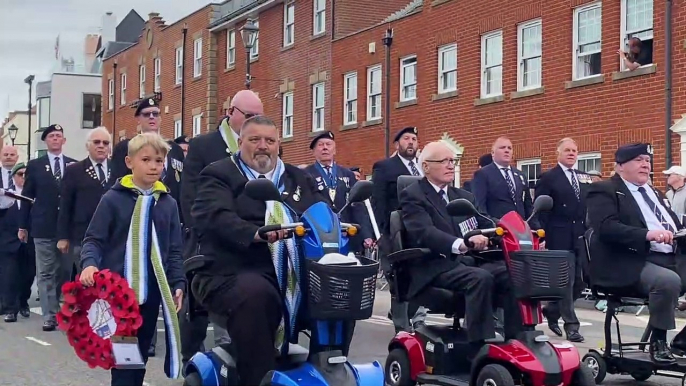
(656, 210)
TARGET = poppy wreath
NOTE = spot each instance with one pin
(73, 316)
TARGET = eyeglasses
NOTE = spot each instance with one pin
(444, 162)
(20, 174)
(151, 114)
(246, 115)
(100, 141)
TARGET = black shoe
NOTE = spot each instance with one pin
(25, 313)
(574, 337)
(10, 318)
(50, 325)
(660, 354)
(553, 324)
(678, 347)
(151, 352)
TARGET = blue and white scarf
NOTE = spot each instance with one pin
(285, 257)
(142, 244)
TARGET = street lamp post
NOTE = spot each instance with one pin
(13, 132)
(249, 33)
(387, 42)
(29, 80)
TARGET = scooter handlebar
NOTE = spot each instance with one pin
(484, 232)
(262, 232)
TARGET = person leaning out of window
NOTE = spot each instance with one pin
(637, 56)
(676, 194)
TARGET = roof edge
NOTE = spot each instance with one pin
(416, 10)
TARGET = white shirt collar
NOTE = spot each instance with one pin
(268, 175)
(52, 156)
(95, 163)
(500, 167)
(633, 187)
(438, 188)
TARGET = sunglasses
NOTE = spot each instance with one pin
(246, 115)
(20, 174)
(100, 141)
(152, 114)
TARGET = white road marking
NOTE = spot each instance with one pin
(40, 342)
(36, 310)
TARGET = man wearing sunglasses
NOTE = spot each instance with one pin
(83, 184)
(202, 151)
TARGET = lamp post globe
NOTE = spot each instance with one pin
(249, 33)
(13, 132)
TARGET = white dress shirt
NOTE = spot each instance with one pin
(459, 246)
(416, 165)
(6, 176)
(502, 172)
(51, 159)
(566, 169)
(104, 166)
(652, 221)
(8, 202)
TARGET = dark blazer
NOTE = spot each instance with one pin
(202, 151)
(566, 220)
(618, 246)
(81, 191)
(9, 223)
(385, 175)
(226, 220)
(355, 213)
(493, 195)
(175, 160)
(428, 225)
(42, 186)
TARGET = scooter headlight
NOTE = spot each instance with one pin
(352, 231)
(540, 233)
(299, 231)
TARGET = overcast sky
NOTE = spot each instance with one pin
(29, 29)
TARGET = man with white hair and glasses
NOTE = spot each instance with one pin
(429, 225)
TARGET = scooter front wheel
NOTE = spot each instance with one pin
(193, 379)
(494, 375)
(398, 368)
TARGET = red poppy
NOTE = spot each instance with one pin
(63, 321)
(69, 309)
(105, 289)
(70, 291)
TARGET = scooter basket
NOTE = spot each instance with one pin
(341, 292)
(541, 275)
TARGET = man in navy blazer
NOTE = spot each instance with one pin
(500, 188)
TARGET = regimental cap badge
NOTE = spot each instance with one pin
(330, 134)
(58, 127)
(151, 102)
(414, 130)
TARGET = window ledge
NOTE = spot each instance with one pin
(400, 105)
(372, 122)
(488, 100)
(527, 93)
(230, 68)
(288, 47)
(436, 3)
(647, 70)
(253, 60)
(445, 95)
(317, 36)
(348, 126)
(197, 78)
(287, 139)
(585, 82)
(315, 133)
(178, 85)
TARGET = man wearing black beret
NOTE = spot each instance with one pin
(42, 183)
(336, 182)
(182, 141)
(633, 249)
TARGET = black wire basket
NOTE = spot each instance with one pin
(541, 275)
(341, 292)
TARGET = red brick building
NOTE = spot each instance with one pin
(553, 71)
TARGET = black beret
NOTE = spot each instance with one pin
(409, 129)
(326, 134)
(485, 160)
(144, 104)
(181, 140)
(49, 130)
(628, 152)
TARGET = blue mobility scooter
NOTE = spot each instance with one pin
(335, 296)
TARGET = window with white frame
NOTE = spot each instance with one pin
(179, 65)
(492, 64)
(447, 68)
(588, 162)
(197, 57)
(318, 107)
(110, 93)
(197, 124)
(141, 81)
(531, 169)
(319, 25)
(529, 51)
(637, 22)
(178, 128)
(255, 50)
(122, 97)
(350, 98)
(230, 48)
(287, 114)
(408, 78)
(158, 74)
(288, 23)
(587, 36)
(374, 92)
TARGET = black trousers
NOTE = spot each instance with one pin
(253, 307)
(149, 310)
(18, 273)
(565, 308)
(484, 288)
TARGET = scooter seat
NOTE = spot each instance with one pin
(296, 354)
(441, 301)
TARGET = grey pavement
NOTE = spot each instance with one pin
(30, 356)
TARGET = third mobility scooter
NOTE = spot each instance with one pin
(436, 354)
(339, 290)
(630, 358)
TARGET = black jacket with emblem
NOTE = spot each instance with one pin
(428, 225)
(81, 191)
(42, 186)
(618, 246)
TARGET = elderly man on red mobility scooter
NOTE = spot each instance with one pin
(462, 261)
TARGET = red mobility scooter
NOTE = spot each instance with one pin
(435, 355)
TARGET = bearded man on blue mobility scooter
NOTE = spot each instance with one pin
(255, 278)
